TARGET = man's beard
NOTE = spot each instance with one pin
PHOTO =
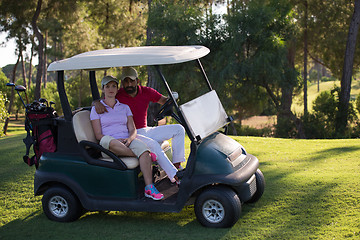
(130, 90)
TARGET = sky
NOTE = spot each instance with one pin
(7, 52)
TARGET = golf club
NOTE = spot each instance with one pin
(43, 100)
(19, 88)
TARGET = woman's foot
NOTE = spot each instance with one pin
(152, 192)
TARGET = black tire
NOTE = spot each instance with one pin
(61, 205)
(218, 207)
(260, 187)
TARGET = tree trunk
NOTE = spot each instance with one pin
(30, 62)
(344, 98)
(318, 69)
(12, 96)
(152, 82)
(44, 78)
(23, 66)
(284, 108)
(40, 38)
(305, 57)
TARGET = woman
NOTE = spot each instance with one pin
(116, 131)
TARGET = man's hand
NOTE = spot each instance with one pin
(99, 107)
(162, 100)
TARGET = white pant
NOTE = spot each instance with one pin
(154, 136)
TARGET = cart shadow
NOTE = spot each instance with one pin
(128, 225)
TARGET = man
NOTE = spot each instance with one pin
(138, 98)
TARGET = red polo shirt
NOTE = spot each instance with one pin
(139, 104)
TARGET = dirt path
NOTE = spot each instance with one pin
(260, 122)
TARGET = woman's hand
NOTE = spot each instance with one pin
(126, 141)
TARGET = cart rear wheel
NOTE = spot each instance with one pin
(59, 204)
(218, 207)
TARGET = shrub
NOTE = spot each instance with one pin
(325, 108)
(328, 79)
(285, 128)
(321, 123)
(358, 103)
(243, 130)
(314, 127)
(3, 113)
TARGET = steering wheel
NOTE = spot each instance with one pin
(165, 110)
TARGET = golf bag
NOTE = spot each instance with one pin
(41, 131)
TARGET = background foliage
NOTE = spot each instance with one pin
(257, 48)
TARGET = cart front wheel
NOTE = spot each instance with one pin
(260, 187)
(59, 204)
(218, 207)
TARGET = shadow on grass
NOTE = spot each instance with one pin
(11, 159)
(292, 209)
(112, 225)
(340, 150)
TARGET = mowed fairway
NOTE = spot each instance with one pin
(312, 192)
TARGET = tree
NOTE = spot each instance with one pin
(3, 113)
(170, 22)
(342, 118)
(12, 96)
(117, 24)
(305, 55)
(4, 92)
(40, 39)
(260, 50)
(326, 31)
(13, 20)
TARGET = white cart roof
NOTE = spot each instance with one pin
(131, 56)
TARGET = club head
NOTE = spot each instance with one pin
(42, 100)
(20, 88)
(10, 84)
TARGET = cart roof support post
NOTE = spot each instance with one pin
(204, 75)
(93, 86)
(183, 122)
(63, 97)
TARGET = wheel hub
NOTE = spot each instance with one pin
(58, 206)
(213, 211)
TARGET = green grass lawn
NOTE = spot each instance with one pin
(298, 101)
(312, 192)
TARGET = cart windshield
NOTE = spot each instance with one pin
(204, 115)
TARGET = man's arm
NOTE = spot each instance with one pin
(162, 99)
(99, 107)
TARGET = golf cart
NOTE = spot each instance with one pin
(219, 175)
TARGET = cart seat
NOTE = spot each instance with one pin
(84, 132)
